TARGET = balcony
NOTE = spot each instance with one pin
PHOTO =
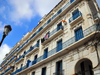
(19, 70)
(9, 62)
(8, 71)
(59, 73)
(75, 19)
(12, 60)
(21, 58)
(56, 32)
(54, 18)
(32, 50)
(51, 21)
(66, 47)
(23, 46)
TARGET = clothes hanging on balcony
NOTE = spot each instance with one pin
(46, 36)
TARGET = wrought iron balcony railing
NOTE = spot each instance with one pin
(19, 58)
(8, 62)
(68, 43)
(52, 33)
(32, 48)
(75, 16)
(7, 70)
(19, 70)
(61, 10)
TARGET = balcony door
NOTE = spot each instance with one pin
(71, 1)
(33, 73)
(75, 14)
(59, 26)
(59, 68)
(35, 57)
(78, 34)
(46, 53)
(38, 43)
(59, 45)
(44, 71)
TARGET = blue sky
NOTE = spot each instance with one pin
(23, 16)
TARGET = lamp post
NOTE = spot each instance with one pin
(7, 29)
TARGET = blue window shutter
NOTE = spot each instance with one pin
(46, 53)
(78, 34)
(72, 1)
(59, 45)
(59, 26)
(75, 14)
(59, 67)
(38, 43)
(81, 33)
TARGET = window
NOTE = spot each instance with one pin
(35, 57)
(38, 43)
(59, 11)
(35, 60)
(28, 61)
(19, 56)
(30, 47)
(21, 65)
(54, 16)
(59, 45)
(42, 40)
(16, 68)
(48, 21)
(24, 52)
(43, 71)
(40, 28)
(45, 53)
(75, 14)
(59, 68)
(78, 34)
(33, 73)
(59, 26)
(71, 1)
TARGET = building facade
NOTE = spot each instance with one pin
(66, 41)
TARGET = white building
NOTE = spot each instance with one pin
(65, 42)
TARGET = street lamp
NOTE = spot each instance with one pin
(7, 29)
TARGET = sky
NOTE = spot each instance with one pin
(23, 16)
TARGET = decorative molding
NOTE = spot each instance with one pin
(89, 16)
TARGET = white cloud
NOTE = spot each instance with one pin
(45, 6)
(27, 9)
(21, 9)
(4, 49)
